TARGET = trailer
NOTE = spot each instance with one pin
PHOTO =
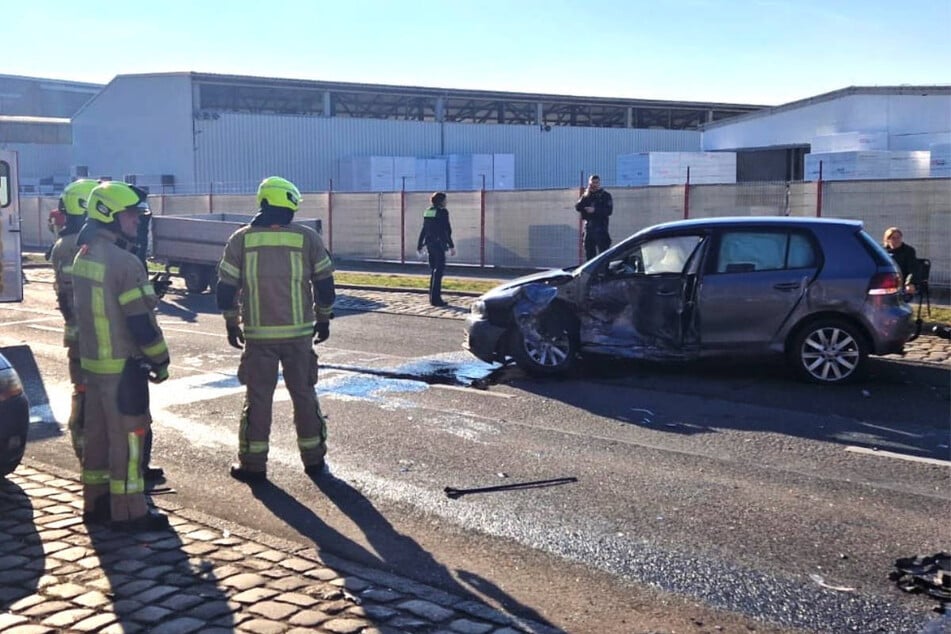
(195, 244)
(11, 264)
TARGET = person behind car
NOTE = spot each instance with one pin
(595, 207)
(904, 256)
(276, 293)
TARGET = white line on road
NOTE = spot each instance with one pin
(469, 390)
(900, 456)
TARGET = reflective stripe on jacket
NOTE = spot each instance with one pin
(110, 286)
(275, 269)
(61, 257)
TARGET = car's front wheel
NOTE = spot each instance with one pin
(547, 346)
(829, 351)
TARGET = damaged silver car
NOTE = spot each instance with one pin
(822, 292)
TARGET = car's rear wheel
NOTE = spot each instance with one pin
(196, 277)
(548, 346)
(828, 352)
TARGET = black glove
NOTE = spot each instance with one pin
(158, 373)
(160, 285)
(321, 331)
(235, 336)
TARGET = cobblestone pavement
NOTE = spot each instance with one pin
(60, 575)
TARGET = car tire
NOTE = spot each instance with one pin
(829, 352)
(196, 277)
(554, 351)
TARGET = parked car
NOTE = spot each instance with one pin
(820, 291)
(14, 418)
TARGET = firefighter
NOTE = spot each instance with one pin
(276, 291)
(436, 236)
(122, 348)
(72, 205)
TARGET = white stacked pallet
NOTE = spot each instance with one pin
(867, 165)
(404, 173)
(503, 171)
(670, 168)
(468, 172)
(940, 160)
(366, 174)
(430, 175)
(849, 142)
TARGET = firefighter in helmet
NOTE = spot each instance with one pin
(72, 205)
(121, 348)
(276, 290)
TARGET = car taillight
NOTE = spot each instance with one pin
(884, 284)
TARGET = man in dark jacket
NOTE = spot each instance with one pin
(595, 206)
(436, 236)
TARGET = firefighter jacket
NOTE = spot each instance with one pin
(62, 256)
(114, 303)
(436, 232)
(276, 270)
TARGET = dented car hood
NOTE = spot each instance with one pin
(553, 277)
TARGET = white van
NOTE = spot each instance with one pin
(11, 266)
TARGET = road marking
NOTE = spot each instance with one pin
(469, 390)
(25, 321)
(900, 456)
(47, 328)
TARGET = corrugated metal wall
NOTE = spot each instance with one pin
(234, 151)
(40, 160)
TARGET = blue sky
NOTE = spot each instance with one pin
(742, 51)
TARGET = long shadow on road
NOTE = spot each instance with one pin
(391, 550)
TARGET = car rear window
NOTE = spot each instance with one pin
(877, 251)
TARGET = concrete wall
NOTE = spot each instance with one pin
(539, 228)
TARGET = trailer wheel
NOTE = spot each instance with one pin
(196, 277)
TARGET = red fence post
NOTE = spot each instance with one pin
(687, 195)
(482, 224)
(330, 217)
(403, 223)
(819, 193)
(211, 197)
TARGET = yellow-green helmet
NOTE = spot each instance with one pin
(279, 192)
(75, 196)
(111, 197)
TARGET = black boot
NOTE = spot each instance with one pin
(245, 475)
(100, 511)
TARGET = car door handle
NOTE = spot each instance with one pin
(787, 286)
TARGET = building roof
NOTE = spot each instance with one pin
(924, 91)
(238, 93)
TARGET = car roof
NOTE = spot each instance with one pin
(745, 221)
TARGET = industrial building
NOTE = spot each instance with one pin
(207, 133)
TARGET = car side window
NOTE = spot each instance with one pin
(662, 255)
(748, 251)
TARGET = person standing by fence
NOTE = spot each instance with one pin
(436, 236)
(595, 207)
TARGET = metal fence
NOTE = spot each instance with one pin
(540, 228)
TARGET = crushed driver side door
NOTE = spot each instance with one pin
(640, 305)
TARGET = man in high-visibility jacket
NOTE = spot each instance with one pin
(282, 276)
(72, 204)
(122, 348)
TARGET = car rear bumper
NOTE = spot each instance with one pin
(892, 328)
(482, 338)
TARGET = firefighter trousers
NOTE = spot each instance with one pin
(117, 421)
(77, 405)
(258, 372)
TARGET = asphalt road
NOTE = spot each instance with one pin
(708, 496)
